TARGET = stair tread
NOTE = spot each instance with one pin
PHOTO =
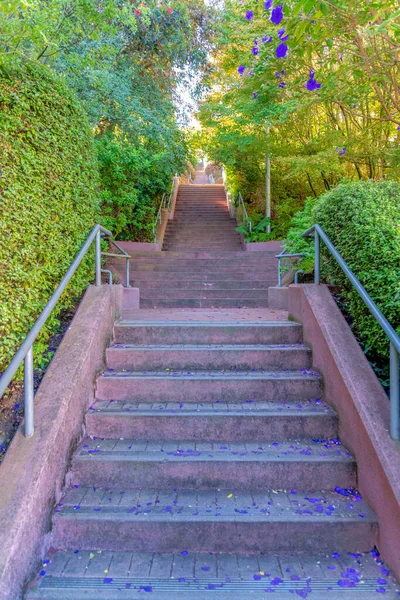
(219, 505)
(201, 324)
(208, 347)
(169, 451)
(176, 575)
(304, 408)
(217, 374)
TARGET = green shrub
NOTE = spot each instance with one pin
(133, 179)
(295, 243)
(363, 221)
(48, 180)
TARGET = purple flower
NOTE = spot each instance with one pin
(277, 14)
(282, 35)
(249, 15)
(255, 50)
(312, 84)
(267, 39)
(255, 95)
(282, 84)
(241, 69)
(267, 4)
(281, 51)
(343, 151)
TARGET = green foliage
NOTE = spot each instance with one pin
(295, 243)
(133, 179)
(346, 129)
(48, 181)
(363, 221)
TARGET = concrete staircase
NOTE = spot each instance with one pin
(211, 468)
(219, 279)
(201, 221)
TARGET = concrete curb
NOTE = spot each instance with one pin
(33, 472)
(356, 394)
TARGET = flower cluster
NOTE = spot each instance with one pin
(281, 50)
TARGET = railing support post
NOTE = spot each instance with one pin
(394, 393)
(279, 273)
(28, 392)
(98, 259)
(317, 258)
(127, 273)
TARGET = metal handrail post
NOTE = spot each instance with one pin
(394, 393)
(317, 258)
(98, 258)
(279, 272)
(29, 393)
(127, 273)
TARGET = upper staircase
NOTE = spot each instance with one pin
(201, 221)
(203, 263)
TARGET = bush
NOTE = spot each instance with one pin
(133, 179)
(363, 221)
(48, 182)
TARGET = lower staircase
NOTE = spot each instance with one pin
(211, 469)
(211, 466)
(214, 279)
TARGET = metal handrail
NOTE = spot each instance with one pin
(246, 219)
(164, 204)
(283, 255)
(394, 338)
(25, 351)
(157, 220)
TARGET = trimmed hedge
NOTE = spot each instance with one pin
(48, 182)
(363, 221)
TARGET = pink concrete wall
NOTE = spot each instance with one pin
(33, 472)
(363, 407)
(139, 247)
(274, 246)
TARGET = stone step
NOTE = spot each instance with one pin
(208, 386)
(191, 332)
(269, 277)
(223, 233)
(197, 226)
(210, 255)
(212, 521)
(193, 241)
(204, 244)
(232, 269)
(165, 293)
(80, 575)
(212, 422)
(208, 356)
(233, 247)
(200, 285)
(240, 258)
(201, 303)
(192, 465)
(232, 238)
